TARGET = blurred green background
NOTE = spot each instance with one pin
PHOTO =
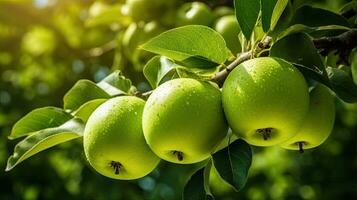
(47, 45)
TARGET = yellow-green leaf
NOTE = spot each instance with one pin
(39, 119)
(45, 139)
(193, 46)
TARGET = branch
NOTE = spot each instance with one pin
(343, 44)
(221, 76)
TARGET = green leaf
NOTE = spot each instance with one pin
(314, 74)
(342, 84)
(115, 84)
(353, 61)
(233, 162)
(247, 12)
(196, 73)
(82, 92)
(197, 187)
(315, 17)
(352, 5)
(298, 48)
(186, 73)
(160, 67)
(87, 109)
(39, 119)
(271, 12)
(283, 22)
(157, 68)
(311, 30)
(193, 46)
(277, 12)
(267, 12)
(44, 139)
(206, 175)
(151, 71)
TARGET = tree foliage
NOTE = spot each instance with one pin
(90, 51)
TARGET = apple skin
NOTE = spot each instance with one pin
(194, 13)
(318, 123)
(138, 33)
(147, 10)
(135, 35)
(114, 134)
(265, 97)
(229, 28)
(184, 115)
(221, 11)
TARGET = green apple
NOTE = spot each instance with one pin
(217, 184)
(194, 13)
(229, 28)
(265, 100)
(183, 120)
(318, 123)
(135, 35)
(168, 19)
(98, 8)
(146, 10)
(94, 38)
(113, 140)
(221, 11)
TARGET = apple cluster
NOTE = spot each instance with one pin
(150, 18)
(264, 101)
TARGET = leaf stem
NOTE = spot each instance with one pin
(222, 75)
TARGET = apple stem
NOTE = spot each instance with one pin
(265, 132)
(301, 147)
(265, 136)
(116, 166)
(178, 154)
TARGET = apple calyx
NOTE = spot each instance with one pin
(301, 146)
(116, 166)
(178, 154)
(265, 132)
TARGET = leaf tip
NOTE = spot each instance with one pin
(9, 167)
